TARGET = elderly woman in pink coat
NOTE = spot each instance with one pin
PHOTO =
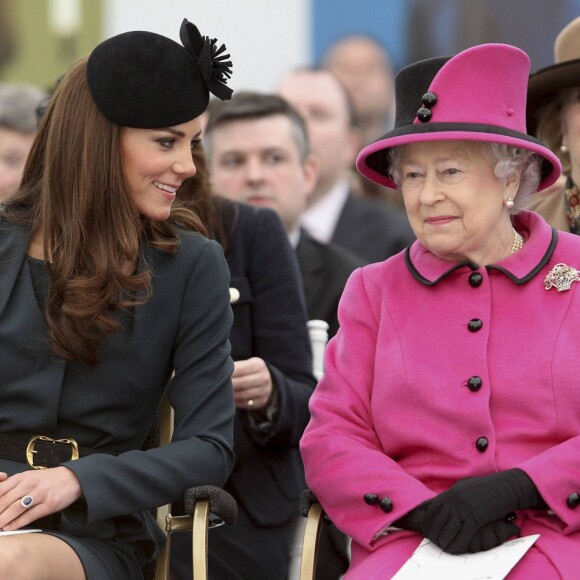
(450, 405)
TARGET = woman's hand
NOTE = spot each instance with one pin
(252, 383)
(456, 515)
(490, 536)
(485, 538)
(51, 491)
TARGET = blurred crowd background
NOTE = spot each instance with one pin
(39, 39)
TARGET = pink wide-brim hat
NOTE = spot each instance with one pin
(477, 95)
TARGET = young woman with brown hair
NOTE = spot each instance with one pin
(107, 289)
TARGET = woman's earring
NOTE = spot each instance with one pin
(509, 203)
(563, 149)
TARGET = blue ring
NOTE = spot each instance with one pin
(26, 502)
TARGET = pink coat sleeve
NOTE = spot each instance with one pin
(556, 473)
(343, 456)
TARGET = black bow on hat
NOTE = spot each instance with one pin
(214, 67)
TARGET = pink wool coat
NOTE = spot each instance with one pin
(397, 415)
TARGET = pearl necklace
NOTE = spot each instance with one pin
(518, 242)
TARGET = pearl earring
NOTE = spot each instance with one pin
(509, 203)
(563, 149)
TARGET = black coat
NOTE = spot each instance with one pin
(325, 269)
(270, 323)
(110, 407)
(372, 230)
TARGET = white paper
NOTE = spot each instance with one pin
(12, 533)
(429, 562)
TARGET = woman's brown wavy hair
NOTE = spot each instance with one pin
(218, 214)
(74, 193)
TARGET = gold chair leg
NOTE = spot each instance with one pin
(199, 539)
(162, 562)
(309, 548)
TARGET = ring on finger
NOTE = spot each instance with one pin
(26, 502)
(250, 403)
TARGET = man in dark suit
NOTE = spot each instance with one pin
(258, 153)
(372, 230)
(325, 269)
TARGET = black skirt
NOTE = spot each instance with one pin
(104, 559)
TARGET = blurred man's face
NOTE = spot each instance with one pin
(14, 149)
(320, 99)
(367, 74)
(257, 161)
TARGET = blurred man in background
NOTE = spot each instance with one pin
(258, 153)
(370, 229)
(18, 121)
(364, 67)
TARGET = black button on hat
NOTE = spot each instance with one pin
(474, 383)
(573, 500)
(474, 325)
(482, 444)
(429, 99)
(424, 114)
(475, 279)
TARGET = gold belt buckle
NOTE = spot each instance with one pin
(30, 451)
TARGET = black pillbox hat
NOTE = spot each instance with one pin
(144, 80)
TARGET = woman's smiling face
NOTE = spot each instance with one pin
(454, 201)
(155, 162)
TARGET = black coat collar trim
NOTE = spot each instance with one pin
(466, 263)
(540, 265)
(425, 281)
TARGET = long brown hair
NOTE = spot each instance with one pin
(217, 213)
(73, 192)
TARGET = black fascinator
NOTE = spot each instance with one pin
(214, 65)
(145, 80)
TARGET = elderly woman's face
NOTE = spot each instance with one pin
(454, 201)
(571, 130)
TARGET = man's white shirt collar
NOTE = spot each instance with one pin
(294, 238)
(320, 219)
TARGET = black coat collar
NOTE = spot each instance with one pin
(540, 243)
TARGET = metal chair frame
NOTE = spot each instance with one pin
(206, 514)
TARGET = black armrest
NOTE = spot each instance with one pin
(306, 500)
(222, 504)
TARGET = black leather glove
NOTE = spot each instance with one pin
(413, 520)
(491, 535)
(487, 537)
(454, 516)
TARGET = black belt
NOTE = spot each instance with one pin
(40, 451)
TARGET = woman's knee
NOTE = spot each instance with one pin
(38, 556)
(16, 559)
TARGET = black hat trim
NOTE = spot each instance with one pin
(378, 159)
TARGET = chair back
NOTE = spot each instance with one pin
(318, 332)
